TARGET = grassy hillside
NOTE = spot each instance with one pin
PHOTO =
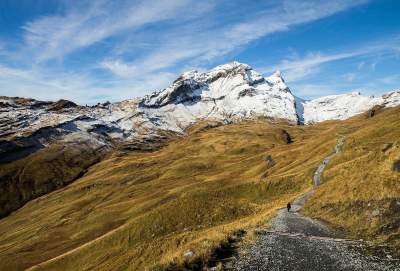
(42, 172)
(144, 210)
(361, 187)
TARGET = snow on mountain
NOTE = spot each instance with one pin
(344, 106)
(390, 99)
(226, 93)
(336, 107)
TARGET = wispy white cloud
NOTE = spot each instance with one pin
(351, 76)
(118, 67)
(299, 68)
(311, 91)
(373, 65)
(93, 21)
(146, 41)
(34, 82)
(46, 84)
(361, 65)
(367, 85)
(204, 45)
(391, 79)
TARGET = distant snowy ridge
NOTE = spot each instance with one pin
(227, 93)
(344, 106)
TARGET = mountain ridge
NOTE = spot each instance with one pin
(228, 93)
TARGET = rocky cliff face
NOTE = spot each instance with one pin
(228, 92)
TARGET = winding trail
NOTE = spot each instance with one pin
(322, 165)
(296, 242)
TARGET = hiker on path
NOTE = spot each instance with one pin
(288, 206)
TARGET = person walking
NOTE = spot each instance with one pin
(288, 206)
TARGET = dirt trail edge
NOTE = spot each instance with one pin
(296, 242)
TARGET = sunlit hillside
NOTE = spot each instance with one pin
(145, 210)
(361, 190)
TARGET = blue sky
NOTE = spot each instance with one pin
(93, 51)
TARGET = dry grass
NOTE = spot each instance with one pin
(42, 172)
(361, 191)
(142, 211)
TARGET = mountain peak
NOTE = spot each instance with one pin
(276, 77)
(238, 89)
(277, 73)
(277, 80)
(228, 92)
(232, 66)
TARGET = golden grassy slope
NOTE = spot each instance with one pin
(360, 190)
(144, 210)
(42, 172)
(141, 211)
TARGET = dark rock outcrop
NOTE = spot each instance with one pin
(61, 104)
(144, 144)
(396, 166)
(374, 110)
(182, 93)
(14, 150)
(247, 92)
(285, 137)
(270, 161)
(386, 147)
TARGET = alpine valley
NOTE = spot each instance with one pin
(167, 181)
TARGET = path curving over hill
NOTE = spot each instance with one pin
(296, 242)
(322, 165)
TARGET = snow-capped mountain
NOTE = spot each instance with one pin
(226, 93)
(344, 106)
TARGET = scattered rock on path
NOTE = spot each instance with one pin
(297, 242)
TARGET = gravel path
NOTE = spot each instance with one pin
(296, 242)
(322, 165)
